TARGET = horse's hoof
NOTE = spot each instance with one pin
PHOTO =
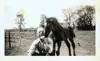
(74, 54)
(57, 52)
(70, 55)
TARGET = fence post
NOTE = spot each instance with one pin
(9, 40)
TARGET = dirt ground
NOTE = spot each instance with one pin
(85, 38)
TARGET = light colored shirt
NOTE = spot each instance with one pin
(37, 45)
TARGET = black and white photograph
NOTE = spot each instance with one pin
(49, 28)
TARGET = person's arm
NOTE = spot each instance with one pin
(50, 45)
(32, 48)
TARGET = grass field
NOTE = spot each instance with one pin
(85, 38)
(87, 44)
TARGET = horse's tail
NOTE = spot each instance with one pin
(71, 31)
(78, 44)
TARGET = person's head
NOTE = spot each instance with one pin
(41, 33)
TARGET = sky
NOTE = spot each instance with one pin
(33, 9)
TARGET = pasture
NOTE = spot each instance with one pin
(21, 42)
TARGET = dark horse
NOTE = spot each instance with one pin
(60, 33)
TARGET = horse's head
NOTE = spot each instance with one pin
(50, 26)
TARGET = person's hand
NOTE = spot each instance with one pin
(42, 37)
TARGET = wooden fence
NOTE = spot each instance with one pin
(14, 36)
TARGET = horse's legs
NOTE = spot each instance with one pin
(54, 46)
(68, 45)
(58, 49)
(73, 45)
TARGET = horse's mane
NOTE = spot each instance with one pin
(56, 24)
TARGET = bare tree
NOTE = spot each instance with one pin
(43, 19)
(70, 15)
